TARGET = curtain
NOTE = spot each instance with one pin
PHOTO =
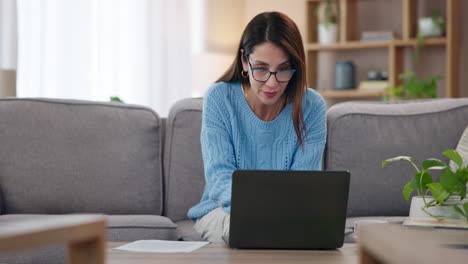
(138, 50)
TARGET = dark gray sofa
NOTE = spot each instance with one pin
(145, 172)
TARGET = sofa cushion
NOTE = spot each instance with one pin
(120, 227)
(183, 164)
(50, 254)
(462, 149)
(65, 156)
(363, 134)
(137, 227)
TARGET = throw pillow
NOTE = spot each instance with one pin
(462, 148)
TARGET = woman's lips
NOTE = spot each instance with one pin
(270, 94)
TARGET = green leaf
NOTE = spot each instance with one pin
(462, 193)
(454, 156)
(465, 206)
(438, 191)
(385, 162)
(462, 174)
(116, 99)
(407, 75)
(420, 181)
(450, 182)
(407, 191)
(458, 210)
(433, 164)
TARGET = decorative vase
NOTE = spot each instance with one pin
(417, 203)
(428, 27)
(345, 75)
(327, 34)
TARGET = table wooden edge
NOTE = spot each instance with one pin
(84, 234)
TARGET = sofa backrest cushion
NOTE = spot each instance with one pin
(363, 134)
(183, 164)
(66, 156)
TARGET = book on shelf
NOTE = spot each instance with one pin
(377, 85)
(428, 222)
(377, 36)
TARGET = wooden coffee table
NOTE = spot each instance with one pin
(220, 253)
(84, 234)
(391, 243)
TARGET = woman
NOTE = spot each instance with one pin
(258, 115)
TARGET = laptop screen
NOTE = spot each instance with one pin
(288, 209)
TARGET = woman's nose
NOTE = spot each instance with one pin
(272, 82)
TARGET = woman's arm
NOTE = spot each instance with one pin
(217, 149)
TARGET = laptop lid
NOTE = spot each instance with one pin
(288, 209)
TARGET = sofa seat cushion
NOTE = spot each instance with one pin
(350, 235)
(186, 231)
(137, 227)
(122, 227)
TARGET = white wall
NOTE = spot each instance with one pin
(295, 9)
(224, 23)
(221, 27)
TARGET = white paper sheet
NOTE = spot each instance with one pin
(162, 246)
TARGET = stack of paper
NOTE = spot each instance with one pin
(162, 246)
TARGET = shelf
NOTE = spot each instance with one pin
(396, 50)
(376, 44)
(352, 93)
(427, 42)
(349, 45)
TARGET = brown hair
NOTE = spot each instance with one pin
(279, 29)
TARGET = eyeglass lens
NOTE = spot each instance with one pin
(263, 75)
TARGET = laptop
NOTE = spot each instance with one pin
(288, 209)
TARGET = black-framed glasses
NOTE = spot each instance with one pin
(262, 74)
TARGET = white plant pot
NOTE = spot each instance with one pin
(427, 27)
(327, 35)
(418, 202)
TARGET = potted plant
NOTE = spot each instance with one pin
(441, 200)
(327, 27)
(433, 26)
(412, 88)
(116, 99)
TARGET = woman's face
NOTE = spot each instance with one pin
(267, 57)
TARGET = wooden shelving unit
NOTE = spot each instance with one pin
(348, 40)
(355, 93)
(376, 44)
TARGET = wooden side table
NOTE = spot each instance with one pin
(391, 243)
(84, 234)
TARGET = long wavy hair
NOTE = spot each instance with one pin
(281, 30)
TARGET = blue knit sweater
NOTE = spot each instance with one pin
(233, 137)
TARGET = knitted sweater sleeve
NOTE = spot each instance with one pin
(310, 156)
(217, 149)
